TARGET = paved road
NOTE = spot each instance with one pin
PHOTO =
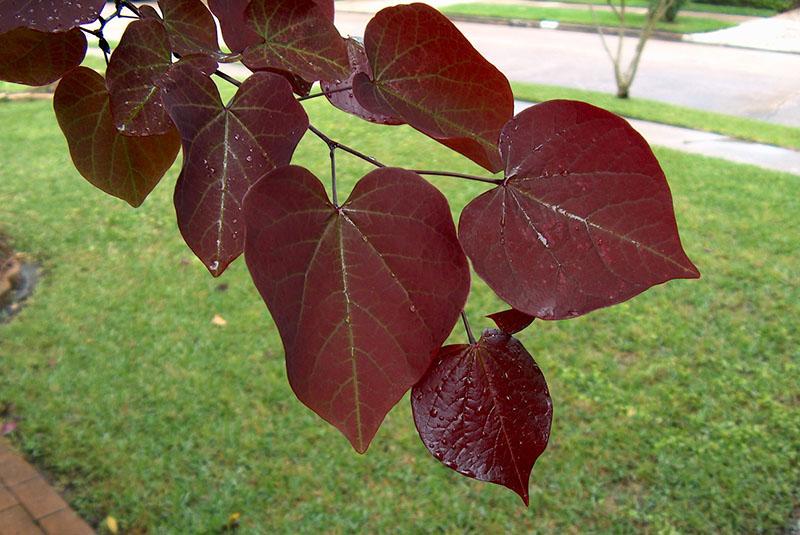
(751, 83)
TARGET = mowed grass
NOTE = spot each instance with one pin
(662, 112)
(674, 412)
(688, 6)
(583, 15)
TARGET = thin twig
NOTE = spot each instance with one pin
(334, 193)
(324, 93)
(332, 143)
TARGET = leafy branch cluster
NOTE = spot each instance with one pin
(366, 290)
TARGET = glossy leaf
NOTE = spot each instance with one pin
(32, 57)
(584, 219)
(226, 149)
(341, 94)
(48, 15)
(235, 31)
(298, 37)
(427, 73)
(362, 295)
(484, 410)
(511, 321)
(190, 26)
(142, 57)
(125, 167)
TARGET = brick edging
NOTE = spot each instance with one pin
(28, 504)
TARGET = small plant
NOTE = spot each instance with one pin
(365, 290)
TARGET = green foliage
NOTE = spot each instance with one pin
(583, 16)
(661, 112)
(678, 410)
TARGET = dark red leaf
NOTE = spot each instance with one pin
(484, 411)
(343, 98)
(428, 74)
(362, 295)
(32, 57)
(142, 57)
(511, 321)
(226, 149)
(190, 26)
(297, 36)
(235, 31)
(584, 219)
(48, 15)
(125, 167)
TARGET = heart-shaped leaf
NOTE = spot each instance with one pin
(341, 94)
(583, 220)
(32, 57)
(297, 36)
(125, 167)
(362, 294)
(511, 321)
(226, 149)
(142, 57)
(427, 73)
(48, 15)
(484, 410)
(190, 26)
(235, 31)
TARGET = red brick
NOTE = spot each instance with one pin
(15, 470)
(16, 521)
(6, 499)
(65, 522)
(38, 498)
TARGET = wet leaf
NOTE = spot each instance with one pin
(298, 37)
(427, 73)
(584, 219)
(48, 15)
(226, 149)
(484, 411)
(190, 26)
(511, 321)
(125, 167)
(363, 295)
(142, 57)
(32, 57)
(341, 94)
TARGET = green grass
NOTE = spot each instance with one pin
(583, 16)
(698, 7)
(661, 112)
(674, 412)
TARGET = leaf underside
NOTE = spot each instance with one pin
(484, 411)
(511, 321)
(226, 150)
(125, 167)
(363, 295)
(583, 220)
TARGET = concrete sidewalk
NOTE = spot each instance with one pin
(777, 34)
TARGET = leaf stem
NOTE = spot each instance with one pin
(460, 175)
(334, 193)
(335, 144)
(470, 336)
(324, 93)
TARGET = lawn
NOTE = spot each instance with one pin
(674, 412)
(661, 112)
(688, 6)
(583, 16)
